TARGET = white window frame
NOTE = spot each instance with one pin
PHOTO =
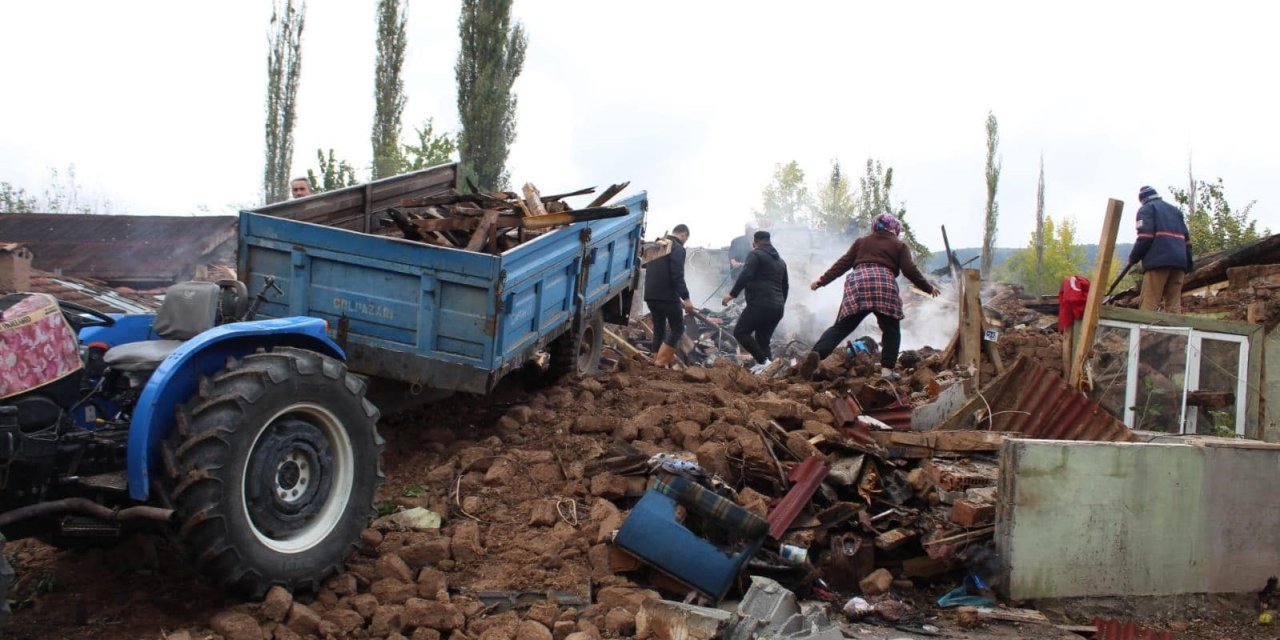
(1191, 376)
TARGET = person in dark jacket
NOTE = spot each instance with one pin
(668, 297)
(764, 278)
(1164, 248)
(739, 248)
(876, 259)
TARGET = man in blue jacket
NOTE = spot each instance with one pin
(1164, 247)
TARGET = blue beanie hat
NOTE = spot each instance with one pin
(1147, 193)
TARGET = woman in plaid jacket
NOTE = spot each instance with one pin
(871, 288)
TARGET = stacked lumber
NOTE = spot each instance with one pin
(496, 221)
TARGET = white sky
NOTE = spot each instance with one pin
(159, 104)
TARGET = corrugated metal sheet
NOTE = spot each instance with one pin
(92, 295)
(896, 416)
(1034, 401)
(120, 249)
(1116, 630)
(805, 480)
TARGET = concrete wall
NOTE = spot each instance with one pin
(1113, 519)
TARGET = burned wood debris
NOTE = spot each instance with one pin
(492, 222)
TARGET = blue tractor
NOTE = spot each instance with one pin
(248, 441)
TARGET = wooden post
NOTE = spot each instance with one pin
(1101, 273)
(1066, 349)
(971, 320)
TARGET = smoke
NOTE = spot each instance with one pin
(809, 253)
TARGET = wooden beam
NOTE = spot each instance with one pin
(608, 194)
(531, 222)
(971, 320)
(1101, 273)
(1066, 348)
(949, 353)
(618, 342)
(993, 353)
(480, 237)
(533, 200)
(1214, 399)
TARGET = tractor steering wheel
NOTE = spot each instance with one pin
(97, 318)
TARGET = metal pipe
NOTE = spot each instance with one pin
(87, 507)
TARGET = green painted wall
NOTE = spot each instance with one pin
(1098, 519)
(1271, 387)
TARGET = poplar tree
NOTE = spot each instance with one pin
(284, 69)
(1040, 225)
(489, 61)
(388, 89)
(993, 209)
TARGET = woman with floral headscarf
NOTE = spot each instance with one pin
(871, 288)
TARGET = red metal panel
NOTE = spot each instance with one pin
(895, 416)
(1035, 401)
(1116, 630)
(846, 411)
(805, 480)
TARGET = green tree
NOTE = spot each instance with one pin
(875, 196)
(836, 206)
(388, 89)
(993, 181)
(1040, 225)
(429, 150)
(1062, 258)
(489, 61)
(1214, 224)
(284, 70)
(62, 194)
(786, 199)
(16, 199)
(332, 173)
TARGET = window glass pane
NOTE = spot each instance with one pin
(1219, 382)
(1110, 368)
(1162, 365)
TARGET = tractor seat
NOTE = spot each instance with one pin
(189, 309)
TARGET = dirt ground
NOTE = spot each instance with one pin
(512, 474)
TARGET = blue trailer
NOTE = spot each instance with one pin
(235, 423)
(436, 317)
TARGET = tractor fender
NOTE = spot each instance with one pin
(176, 379)
(128, 328)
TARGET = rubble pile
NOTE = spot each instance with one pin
(528, 506)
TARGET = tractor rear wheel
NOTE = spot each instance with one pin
(578, 352)
(274, 466)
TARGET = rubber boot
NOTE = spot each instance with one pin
(665, 356)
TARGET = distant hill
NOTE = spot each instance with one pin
(938, 261)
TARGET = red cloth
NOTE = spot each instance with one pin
(1072, 296)
(871, 287)
(37, 346)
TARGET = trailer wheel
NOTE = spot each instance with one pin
(578, 352)
(274, 466)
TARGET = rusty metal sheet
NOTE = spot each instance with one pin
(805, 480)
(898, 417)
(1116, 630)
(1036, 402)
(846, 411)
